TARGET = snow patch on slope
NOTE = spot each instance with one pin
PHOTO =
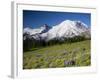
(65, 29)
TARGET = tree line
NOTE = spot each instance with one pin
(30, 43)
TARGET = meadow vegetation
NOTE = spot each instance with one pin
(67, 54)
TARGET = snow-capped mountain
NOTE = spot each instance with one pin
(36, 33)
(40, 30)
(65, 29)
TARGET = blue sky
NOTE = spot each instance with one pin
(36, 19)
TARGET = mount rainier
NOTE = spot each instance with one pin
(66, 29)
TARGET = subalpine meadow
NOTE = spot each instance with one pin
(60, 55)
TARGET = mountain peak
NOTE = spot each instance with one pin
(65, 29)
(45, 26)
(66, 22)
(39, 30)
(80, 24)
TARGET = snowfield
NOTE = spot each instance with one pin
(65, 29)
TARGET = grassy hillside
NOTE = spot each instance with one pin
(64, 55)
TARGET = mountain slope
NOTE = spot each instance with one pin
(36, 33)
(65, 29)
(40, 30)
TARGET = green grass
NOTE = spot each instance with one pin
(59, 56)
